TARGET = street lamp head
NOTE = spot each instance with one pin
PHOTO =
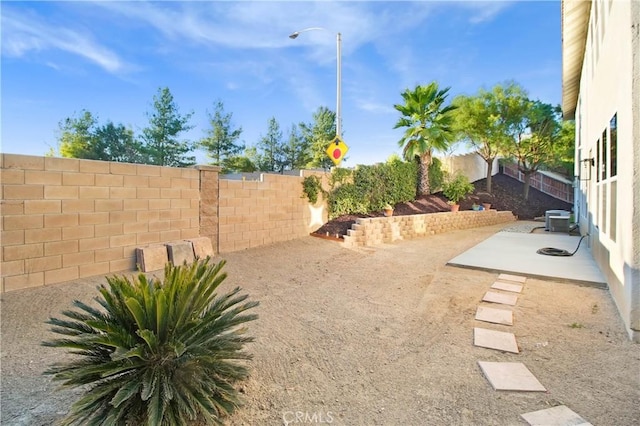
(295, 35)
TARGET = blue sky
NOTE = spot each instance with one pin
(111, 57)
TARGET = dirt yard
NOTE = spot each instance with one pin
(377, 336)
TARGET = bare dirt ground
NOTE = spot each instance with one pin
(377, 336)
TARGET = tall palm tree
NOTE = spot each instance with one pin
(428, 123)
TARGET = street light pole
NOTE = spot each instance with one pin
(339, 87)
(338, 76)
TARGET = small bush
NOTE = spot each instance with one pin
(311, 188)
(157, 353)
(457, 188)
(436, 175)
(340, 176)
(347, 199)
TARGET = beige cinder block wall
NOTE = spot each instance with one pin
(272, 209)
(209, 193)
(64, 219)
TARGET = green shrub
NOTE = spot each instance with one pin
(457, 188)
(157, 353)
(340, 176)
(436, 175)
(346, 199)
(370, 188)
(311, 188)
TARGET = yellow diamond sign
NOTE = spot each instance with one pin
(337, 150)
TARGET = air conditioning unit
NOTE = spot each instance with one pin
(558, 223)
(549, 213)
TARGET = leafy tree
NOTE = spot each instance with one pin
(481, 121)
(156, 353)
(295, 151)
(82, 137)
(533, 145)
(117, 143)
(270, 149)
(563, 149)
(428, 122)
(239, 164)
(160, 138)
(76, 136)
(317, 136)
(221, 139)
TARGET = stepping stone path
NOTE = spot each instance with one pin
(555, 416)
(510, 376)
(495, 316)
(514, 288)
(504, 299)
(514, 278)
(498, 340)
(513, 376)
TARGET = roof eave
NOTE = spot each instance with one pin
(575, 25)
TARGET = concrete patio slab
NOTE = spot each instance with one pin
(514, 278)
(504, 299)
(515, 253)
(514, 288)
(495, 316)
(498, 340)
(555, 416)
(510, 376)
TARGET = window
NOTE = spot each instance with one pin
(603, 150)
(598, 161)
(614, 201)
(613, 145)
(603, 201)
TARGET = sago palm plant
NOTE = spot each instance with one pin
(159, 352)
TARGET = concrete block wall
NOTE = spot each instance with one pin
(64, 219)
(209, 194)
(255, 213)
(379, 230)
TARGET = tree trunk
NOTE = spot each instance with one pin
(489, 174)
(424, 187)
(527, 181)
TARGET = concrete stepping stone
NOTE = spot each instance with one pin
(495, 316)
(555, 416)
(514, 278)
(152, 258)
(510, 376)
(504, 299)
(180, 252)
(514, 288)
(498, 340)
(201, 247)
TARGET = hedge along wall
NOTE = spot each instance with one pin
(64, 219)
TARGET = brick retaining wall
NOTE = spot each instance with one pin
(378, 230)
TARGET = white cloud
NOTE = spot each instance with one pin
(23, 33)
(484, 11)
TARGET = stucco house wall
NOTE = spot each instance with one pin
(607, 141)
